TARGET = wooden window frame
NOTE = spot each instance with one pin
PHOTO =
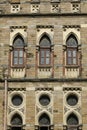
(18, 57)
(45, 49)
(72, 57)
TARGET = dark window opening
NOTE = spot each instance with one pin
(44, 128)
(16, 128)
(72, 99)
(72, 120)
(16, 120)
(17, 100)
(44, 119)
(44, 100)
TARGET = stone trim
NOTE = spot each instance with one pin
(72, 89)
(46, 80)
(71, 26)
(44, 89)
(45, 26)
(44, 14)
(16, 89)
(18, 27)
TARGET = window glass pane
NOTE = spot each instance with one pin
(42, 53)
(15, 53)
(20, 60)
(72, 41)
(47, 61)
(45, 41)
(18, 42)
(47, 53)
(69, 53)
(74, 53)
(15, 61)
(74, 60)
(21, 53)
(42, 61)
(69, 61)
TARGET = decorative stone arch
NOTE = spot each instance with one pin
(47, 116)
(15, 30)
(12, 118)
(16, 35)
(76, 120)
(42, 29)
(41, 113)
(45, 34)
(73, 113)
(15, 113)
(73, 34)
(71, 29)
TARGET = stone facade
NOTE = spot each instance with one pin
(37, 96)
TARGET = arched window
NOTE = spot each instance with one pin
(44, 119)
(18, 51)
(72, 48)
(45, 51)
(72, 120)
(16, 120)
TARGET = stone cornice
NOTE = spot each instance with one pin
(45, 80)
(72, 89)
(44, 15)
(48, 80)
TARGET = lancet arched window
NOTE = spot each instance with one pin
(72, 50)
(44, 119)
(18, 51)
(72, 120)
(45, 51)
(16, 120)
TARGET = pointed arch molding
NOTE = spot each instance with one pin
(18, 30)
(45, 30)
(71, 29)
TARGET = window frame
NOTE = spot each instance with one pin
(18, 57)
(72, 49)
(45, 49)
